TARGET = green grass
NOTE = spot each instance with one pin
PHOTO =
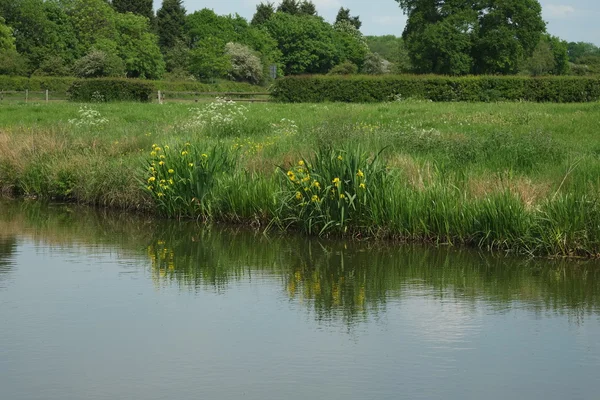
(513, 176)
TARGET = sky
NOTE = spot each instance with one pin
(571, 20)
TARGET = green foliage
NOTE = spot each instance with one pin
(12, 63)
(307, 7)
(374, 65)
(52, 66)
(581, 49)
(343, 15)
(359, 89)
(345, 68)
(245, 65)
(351, 42)
(181, 180)
(208, 59)
(549, 58)
(459, 37)
(170, 20)
(307, 44)
(110, 89)
(264, 12)
(331, 191)
(392, 49)
(143, 8)
(7, 40)
(98, 64)
(138, 47)
(291, 7)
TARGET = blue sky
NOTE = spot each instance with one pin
(572, 20)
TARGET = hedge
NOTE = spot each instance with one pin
(62, 84)
(37, 83)
(110, 89)
(368, 89)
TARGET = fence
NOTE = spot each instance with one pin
(160, 97)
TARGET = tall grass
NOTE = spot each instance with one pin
(523, 178)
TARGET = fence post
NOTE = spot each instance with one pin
(26, 95)
(46, 95)
(159, 97)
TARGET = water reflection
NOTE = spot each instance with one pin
(336, 281)
(8, 246)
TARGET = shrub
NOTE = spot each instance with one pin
(245, 65)
(374, 65)
(98, 64)
(345, 68)
(86, 90)
(319, 88)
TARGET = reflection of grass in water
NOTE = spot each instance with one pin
(337, 280)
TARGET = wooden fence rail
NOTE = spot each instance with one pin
(161, 96)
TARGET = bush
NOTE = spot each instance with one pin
(98, 64)
(245, 65)
(85, 90)
(345, 68)
(36, 83)
(365, 89)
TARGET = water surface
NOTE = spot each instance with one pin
(109, 306)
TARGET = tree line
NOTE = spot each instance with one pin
(126, 38)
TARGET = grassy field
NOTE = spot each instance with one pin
(512, 176)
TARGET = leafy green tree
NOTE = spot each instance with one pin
(541, 61)
(560, 52)
(374, 65)
(138, 7)
(208, 59)
(264, 11)
(7, 40)
(41, 30)
(170, 21)
(307, 8)
(344, 15)
(307, 44)
(392, 49)
(351, 42)
(509, 31)
(138, 47)
(291, 7)
(458, 37)
(98, 14)
(581, 49)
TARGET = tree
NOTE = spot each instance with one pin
(374, 65)
(11, 62)
(208, 59)
(245, 65)
(289, 7)
(392, 49)
(344, 15)
(98, 64)
(458, 37)
(307, 8)
(264, 11)
(345, 68)
(307, 44)
(138, 47)
(351, 42)
(170, 20)
(581, 49)
(138, 7)
(550, 57)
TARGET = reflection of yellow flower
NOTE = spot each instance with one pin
(360, 174)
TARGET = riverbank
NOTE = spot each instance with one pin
(511, 176)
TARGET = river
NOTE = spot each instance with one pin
(98, 305)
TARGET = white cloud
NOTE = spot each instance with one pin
(559, 10)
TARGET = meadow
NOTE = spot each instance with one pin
(518, 177)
